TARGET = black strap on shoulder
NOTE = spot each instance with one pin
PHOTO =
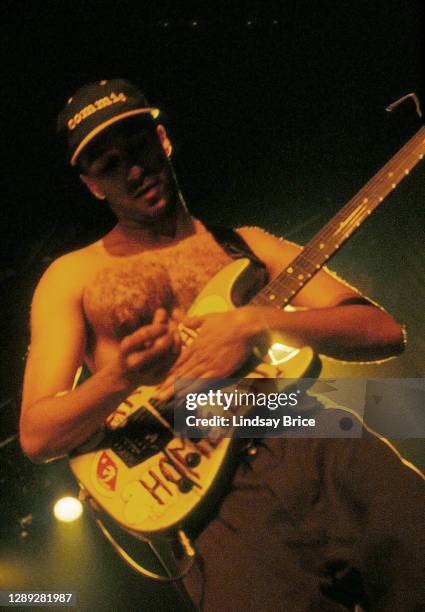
(233, 243)
(235, 246)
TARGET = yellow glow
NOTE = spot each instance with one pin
(279, 353)
(67, 509)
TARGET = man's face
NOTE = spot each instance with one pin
(129, 166)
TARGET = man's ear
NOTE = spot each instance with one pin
(92, 187)
(165, 141)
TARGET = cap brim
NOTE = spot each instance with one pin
(154, 112)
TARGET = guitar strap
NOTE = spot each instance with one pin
(235, 246)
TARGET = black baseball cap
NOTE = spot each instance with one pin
(96, 106)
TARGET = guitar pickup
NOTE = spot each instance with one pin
(134, 447)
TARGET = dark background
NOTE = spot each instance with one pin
(277, 115)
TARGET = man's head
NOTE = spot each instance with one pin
(121, 152)
(95, 107)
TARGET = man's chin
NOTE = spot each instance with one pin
(160, 209)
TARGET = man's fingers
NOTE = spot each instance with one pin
(143, 337)
(177, 342)
(183, 357)
(160, 316)
(193, 322)
(178, 314)
(139, 359)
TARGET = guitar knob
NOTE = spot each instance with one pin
(193, 459)
(185, 486)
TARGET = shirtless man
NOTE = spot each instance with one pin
(114, 303)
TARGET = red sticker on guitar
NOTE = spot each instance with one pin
(106, 472)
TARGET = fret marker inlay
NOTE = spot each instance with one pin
(323, 246)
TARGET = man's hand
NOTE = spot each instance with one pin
(53, 424)
(222, 345)
(146, 355)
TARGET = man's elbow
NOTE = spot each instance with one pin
(32, 450)
(34, 447)
(393, 337)
(383, 337)
(399, 342)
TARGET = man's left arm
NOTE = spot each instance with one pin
(333, 319)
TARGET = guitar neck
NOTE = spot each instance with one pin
(335, 233)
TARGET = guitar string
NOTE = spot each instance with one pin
(376, 180)
(381, 178)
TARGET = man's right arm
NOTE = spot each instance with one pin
(54, 418)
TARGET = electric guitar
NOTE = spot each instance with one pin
(152, 482)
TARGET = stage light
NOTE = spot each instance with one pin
(68, 509)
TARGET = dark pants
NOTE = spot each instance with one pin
(315, 525)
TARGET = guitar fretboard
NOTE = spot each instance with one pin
(329, 240)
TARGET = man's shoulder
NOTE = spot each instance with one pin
(258, 236)
(75, 261)
(70, 272)
(274, 251)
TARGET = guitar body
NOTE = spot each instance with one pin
(152, 482)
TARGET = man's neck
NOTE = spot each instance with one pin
(133, 235)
